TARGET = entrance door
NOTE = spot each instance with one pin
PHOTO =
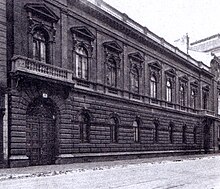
(41, 135)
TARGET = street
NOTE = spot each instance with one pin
(192, 173)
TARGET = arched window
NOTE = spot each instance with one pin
(134, 80)
(182, 95)
(195, 135)
(193, 99)
(156, 132)
(81, 63)
(114, 127)
(168, 91)
(153, 87)
(40, 46)
(112, 73)
(184, 133)
(171, 127)
(84, 120)
(136, 131)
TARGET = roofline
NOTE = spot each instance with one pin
(205, 39)
(145, 31)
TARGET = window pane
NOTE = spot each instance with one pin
(111, 73)
(134, 81)
(136, 131)
(39, 46)
(182, 96)
(153, 86)
(77, 65)
(43, 52)
(169, 91)
(205, 100)
(35, 49)
(84, 68)
(219, 104)
(81, 63)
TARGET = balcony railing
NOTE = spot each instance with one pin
(27, 65)
(207, 113)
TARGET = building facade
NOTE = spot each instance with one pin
(85, 82)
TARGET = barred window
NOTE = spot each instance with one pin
(84, 128)
(136, 131)
(114, 128)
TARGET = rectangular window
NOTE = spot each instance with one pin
(193, 99)
(219, 103)
(205, 101)
(43, 52)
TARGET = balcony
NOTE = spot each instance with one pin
(37, 68)
(207, 113)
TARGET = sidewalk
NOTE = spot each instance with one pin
(50, 170)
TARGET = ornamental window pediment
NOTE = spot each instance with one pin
(113, 46)
(83, 32)
(112, 62)
(42, 10)
(184, 79)
(154, 64)
(136, 63)
(171, 72)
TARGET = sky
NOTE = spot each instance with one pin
(172, 19)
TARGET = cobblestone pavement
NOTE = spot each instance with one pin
(50, 170)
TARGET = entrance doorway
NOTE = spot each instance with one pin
(41, 132)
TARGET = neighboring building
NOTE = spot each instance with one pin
(207, 45)
(85, 82)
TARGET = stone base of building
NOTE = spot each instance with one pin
(92, 157)
(18, 161)
(23, 161)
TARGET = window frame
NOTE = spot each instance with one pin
(136, 130)
(169, 91)
(40, 40)
(80, 72)
(112, 73)
(85, 124)
(153, 86)
(193, 98)
(114, 130)
(182, 95)
(134, 75)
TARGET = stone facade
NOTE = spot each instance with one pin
(87, 85)
(3, 74)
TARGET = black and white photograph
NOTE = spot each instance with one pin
(109, 94)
